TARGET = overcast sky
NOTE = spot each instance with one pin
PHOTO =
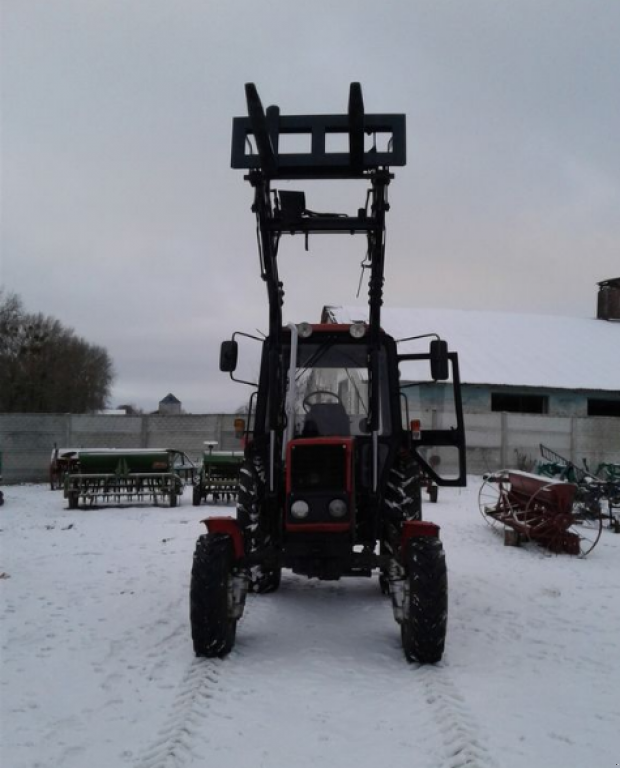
(122, 218)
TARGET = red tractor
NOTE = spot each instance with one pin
(331, 481)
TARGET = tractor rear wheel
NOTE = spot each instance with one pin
(213, 630)
(403, 492)
(402, 501)
(423, 629)
(255, 533)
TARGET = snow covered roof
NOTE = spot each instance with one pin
(509, 348)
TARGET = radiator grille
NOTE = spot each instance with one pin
(318, 467)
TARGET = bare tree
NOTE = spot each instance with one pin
(45, 367)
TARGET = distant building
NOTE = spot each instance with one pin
(169, 406)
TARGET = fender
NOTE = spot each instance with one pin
(414, 529)
(229, 526)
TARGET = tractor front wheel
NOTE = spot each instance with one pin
(425, 620)
(213, 629)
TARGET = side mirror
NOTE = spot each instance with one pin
(228, 356)
(440, 369)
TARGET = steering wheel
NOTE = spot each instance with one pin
(307, 403)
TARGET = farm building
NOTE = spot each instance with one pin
(526, 379)
(516, 363)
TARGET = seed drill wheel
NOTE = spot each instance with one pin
(493, 501)
(557, 523)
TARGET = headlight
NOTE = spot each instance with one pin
(358, 330)
(337, 508)
(299, 509)
(304, 330)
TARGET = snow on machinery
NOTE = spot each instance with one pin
(331, 480)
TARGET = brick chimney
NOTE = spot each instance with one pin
(608, 307)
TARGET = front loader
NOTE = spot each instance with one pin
(333, 469)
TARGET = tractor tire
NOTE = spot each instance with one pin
(213, 631)
(249, 507)
(196, 496)
(403, 492)
(402, 501)
(423, 630)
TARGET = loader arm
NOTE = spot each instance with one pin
(285, 213)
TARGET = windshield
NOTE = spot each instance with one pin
(331, 390)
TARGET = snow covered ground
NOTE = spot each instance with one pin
(97, 669)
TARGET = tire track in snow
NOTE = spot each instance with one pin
(210, 691)
(189, 712)
(463, 745)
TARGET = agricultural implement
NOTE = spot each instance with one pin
(554, 465)
(114, 477)
(333, 470)
(534, 508)
(218, 478)
(63, 461)
(595, 490)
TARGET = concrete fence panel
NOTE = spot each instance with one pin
(483, 433)
(494, 440)
(597, 440)
(524, 434)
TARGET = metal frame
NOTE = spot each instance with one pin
(267, 127)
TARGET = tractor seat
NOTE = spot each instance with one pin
(326, 420)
